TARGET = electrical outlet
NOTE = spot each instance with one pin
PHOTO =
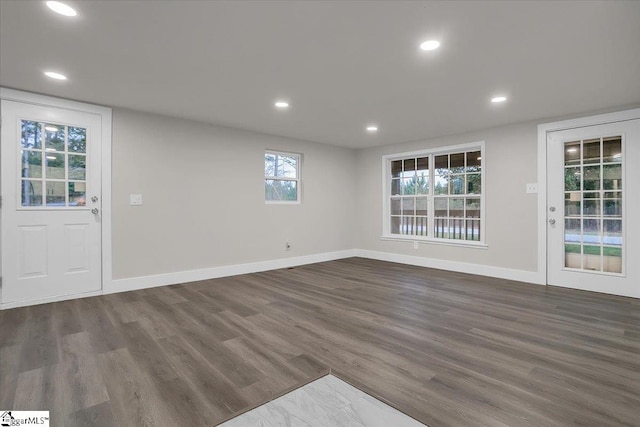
(287, 246)
(135, 199)
(415, 245)
(532, 188)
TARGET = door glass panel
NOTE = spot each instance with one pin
(77, 142)
(612, 177)
(591, 258)
(31, 135)
(77, 194)
(572, 153)
(31, 192)
(612, 260)
(591, 151)
(591, 178)
(572, 204)
(31, 164)
(77, 166)
(55, 193)
(54, 165)
(572, 230)
(593, 205)
(612, 150)
(54, 137)
(53, 158)
(572, 178)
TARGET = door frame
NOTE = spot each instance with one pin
(543, 130)
(105, 114)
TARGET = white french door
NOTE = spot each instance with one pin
(51, 202)
(593, 208)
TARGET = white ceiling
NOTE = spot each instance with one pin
(342, 65)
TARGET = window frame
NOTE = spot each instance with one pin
(297, 179)
(431, 153)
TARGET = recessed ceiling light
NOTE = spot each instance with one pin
(54, 75)
(61, 8)
(497, 99)
(430, 45)
(372, 128)
(572, 150)
(282, 104)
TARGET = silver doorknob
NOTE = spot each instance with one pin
(95, 211)
(552, 221)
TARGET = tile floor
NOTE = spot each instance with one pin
(327, 401)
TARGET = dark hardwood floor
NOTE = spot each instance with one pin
(449, 349)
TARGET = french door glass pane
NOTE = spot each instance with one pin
(31, 135)
(55, 193)
(31, 192)
(31, 164)
(77, 140)
(593, 204)
(77, 167)
(54, 165)
(572, 153)
(612, 150)
(53, 137)
(77, 194)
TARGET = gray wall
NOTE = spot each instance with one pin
(204, 203)
(511, 214)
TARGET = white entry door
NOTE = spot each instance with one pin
(51, 202)
(593, 208)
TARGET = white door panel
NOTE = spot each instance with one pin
(593, 229)
(51, 240)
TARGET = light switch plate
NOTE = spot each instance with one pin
(532, 188)
(135, 199)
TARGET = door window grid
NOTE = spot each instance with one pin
(442, 202)
(52, 165)
(593, 220)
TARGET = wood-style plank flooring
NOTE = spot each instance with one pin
(448, 349)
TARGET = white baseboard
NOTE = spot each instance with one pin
(133, 283)
(462, 267)
(16, 304)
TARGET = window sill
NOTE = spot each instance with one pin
(281, 202)
(427, 241)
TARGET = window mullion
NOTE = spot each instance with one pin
(430, 200)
